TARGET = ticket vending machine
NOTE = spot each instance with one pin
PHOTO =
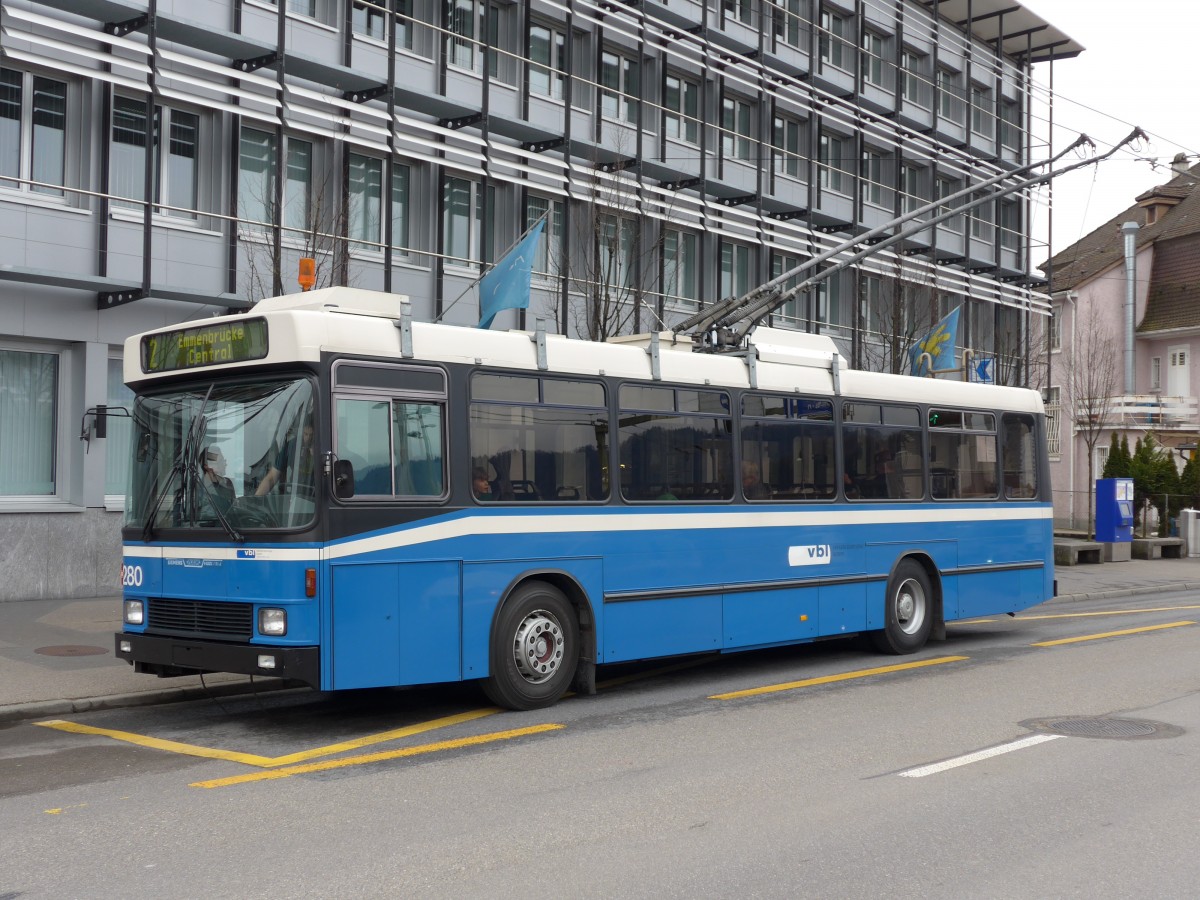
(1114, 510)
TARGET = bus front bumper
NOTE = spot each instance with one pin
(171, 656)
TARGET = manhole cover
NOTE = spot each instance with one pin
(1103, 727)
(71, 650)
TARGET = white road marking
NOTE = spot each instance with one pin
(934, 768)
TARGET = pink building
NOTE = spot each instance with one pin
(1126, 321)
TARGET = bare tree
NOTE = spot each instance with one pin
(1091, 381)
(904, 313)
(316, 233)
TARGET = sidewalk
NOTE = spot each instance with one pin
(56, 656)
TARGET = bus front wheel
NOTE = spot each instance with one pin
(908, 611)
(535, 647)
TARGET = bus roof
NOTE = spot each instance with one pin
(343, 320)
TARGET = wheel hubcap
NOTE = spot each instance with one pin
(910, 607)
(538, 646)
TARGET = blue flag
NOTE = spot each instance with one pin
(939, 344)
(506, 285)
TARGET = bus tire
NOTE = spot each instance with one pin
(535, 648)
(908, 610)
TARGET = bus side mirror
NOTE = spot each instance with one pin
(343, 479)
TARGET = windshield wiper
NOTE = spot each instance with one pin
(181, 466)
(216, 508)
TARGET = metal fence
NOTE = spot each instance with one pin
(1155, 516)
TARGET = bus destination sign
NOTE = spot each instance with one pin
(205, 345)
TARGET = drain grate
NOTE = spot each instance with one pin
(71, 650)
(1102, 727)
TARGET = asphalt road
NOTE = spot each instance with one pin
(816, 772)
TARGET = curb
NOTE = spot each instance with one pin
(1130, 592)
(17, 712)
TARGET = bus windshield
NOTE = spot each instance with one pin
(230, 457)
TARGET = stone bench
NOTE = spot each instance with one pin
(1158, 548)
(1068, 552)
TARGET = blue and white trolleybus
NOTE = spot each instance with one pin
(323, 490)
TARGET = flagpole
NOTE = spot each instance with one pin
(524, 234)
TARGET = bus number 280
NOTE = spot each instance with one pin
(131, 576)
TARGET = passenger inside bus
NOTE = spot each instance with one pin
(752, 486)
(480, 486)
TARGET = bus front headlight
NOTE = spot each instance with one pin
(135, 612)
(272, 622)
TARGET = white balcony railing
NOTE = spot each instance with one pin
(1152, 411)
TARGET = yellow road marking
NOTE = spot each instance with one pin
(1079, 615)
(1111, 612)
(844, 676)
(381, 756)
(251, 759)
(1108, 634)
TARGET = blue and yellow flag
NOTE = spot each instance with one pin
(939, 344)
(506, 285)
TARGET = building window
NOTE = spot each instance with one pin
(950, 101)
(912, 183)
(1056, 328)
(833, 158)
(785, 146)
(836, 47)
(982, 218)
(619, 87)
(681, 106)
(118, 445)
(365, 201)
(786, 16)
(616, 238)
(547, 61)
(915, 86)
(298, 190)
(28, 414)
(947, 187)
(875, 187)
(401, 200)
(176, 176)
(1010, 125)
(735, 269)
(681, 266)
(737, 10)
(873, 68)
(370, 20)
(546, 255)
(982, 114)
(1156, 373)
(828, 306)
(462, 222)
(785, 262)
(465, 31)
(737, 135)
(256, 183)
(1053, 423)
(33, 132)
(1010, 225)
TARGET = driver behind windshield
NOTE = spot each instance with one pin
(219, 486)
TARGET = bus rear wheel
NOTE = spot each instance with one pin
(908, 612)
(535, 647)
